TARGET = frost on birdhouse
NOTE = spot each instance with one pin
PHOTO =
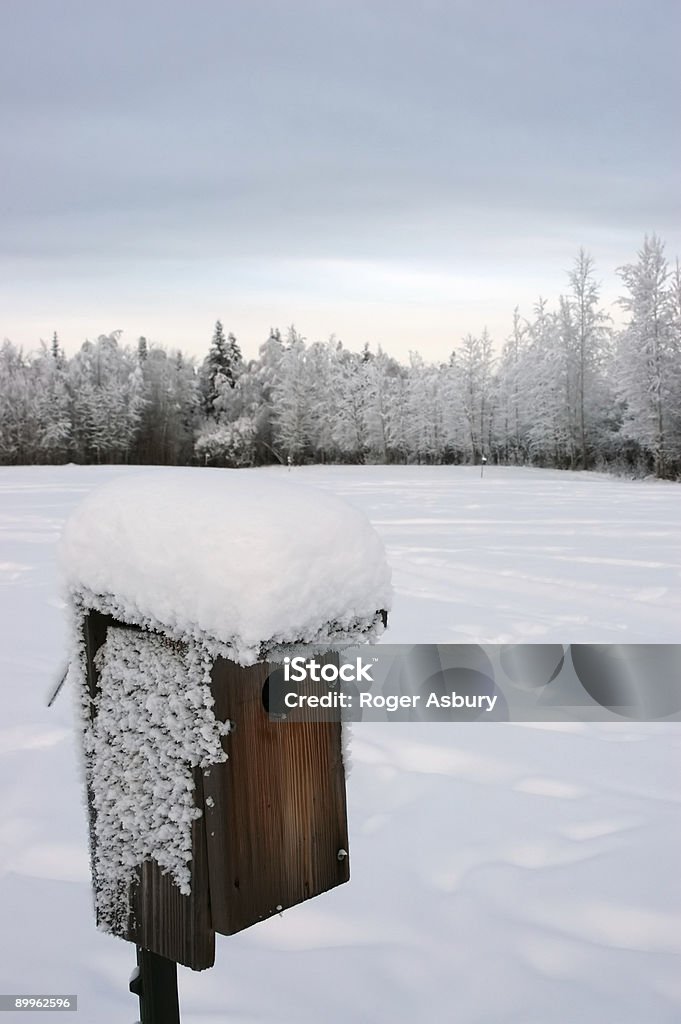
(188, 587)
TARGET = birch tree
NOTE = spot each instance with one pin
(648, 357)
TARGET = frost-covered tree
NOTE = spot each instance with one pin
(291, 399)
(649, 358)
(587, 349)
(53, 403)
(221, 367)
(142, 350)
(170, 406)
(351, 399)
(19, 419)
(56, 350)
(546, 389)
(559, 394)
(397, 411)
(423, 429)
(511, 440)
(107, 396)
(473, 365)
(227, 444)
(262, 377)
(382, 375)
(319, 369)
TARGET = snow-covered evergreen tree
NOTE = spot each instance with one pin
(221, 367)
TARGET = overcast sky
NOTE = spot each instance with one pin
(399, 173)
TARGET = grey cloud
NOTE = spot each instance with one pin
(326, 129)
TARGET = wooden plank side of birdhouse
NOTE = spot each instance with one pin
(168, 923)
(275, 811)
(161, 919)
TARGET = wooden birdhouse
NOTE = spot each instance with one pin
(207, 813)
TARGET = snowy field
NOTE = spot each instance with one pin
(501, 874)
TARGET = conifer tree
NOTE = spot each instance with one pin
(221, 367)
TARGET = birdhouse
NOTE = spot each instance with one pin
(188, 587)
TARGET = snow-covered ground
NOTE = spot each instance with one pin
(501, 874)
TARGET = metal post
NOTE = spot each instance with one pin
(156, 986)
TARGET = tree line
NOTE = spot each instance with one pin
(566, 390)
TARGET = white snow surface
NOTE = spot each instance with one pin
(241, 558)
(501, 874)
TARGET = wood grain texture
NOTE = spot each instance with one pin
(274, 820)
(166, 922)
(276, 817)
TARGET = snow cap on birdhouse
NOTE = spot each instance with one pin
(239, 558)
